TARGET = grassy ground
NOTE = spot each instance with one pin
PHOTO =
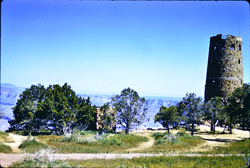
(237, 147)
(5, 148)
(30, 145)
(157, 162)
(115, 143)
(4, 138)
(150, 162)
(168, 143)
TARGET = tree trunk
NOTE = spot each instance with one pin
(127, 131)
(192, 129)
(168, 129)
(230, 129)
(212, 127)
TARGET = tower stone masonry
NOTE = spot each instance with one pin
(225, 66)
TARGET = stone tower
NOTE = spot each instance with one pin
(225, 66)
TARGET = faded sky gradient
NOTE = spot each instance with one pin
(154, 47)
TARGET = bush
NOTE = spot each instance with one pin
(181, 132)
(72, 137)
(87, 132)
(5, 148)
(96, 137)
(42, 158)
(31, 145)
(4, 137)
(159, 135)
(3, 134)
(112, 141)
(168, 138)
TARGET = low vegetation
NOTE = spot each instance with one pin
(162, 161)
(31, 145)
(5, 148)
(4, 138)
(169, 143)
(42, 158)
(92, 142)
(237, 147)
(146, 162)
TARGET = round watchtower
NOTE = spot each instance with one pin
(225, 66)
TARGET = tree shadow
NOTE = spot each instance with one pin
(219, 140)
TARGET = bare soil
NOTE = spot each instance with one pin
(212, 140)
(143, 145)
(17, 140)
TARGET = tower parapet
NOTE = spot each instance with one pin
(225, 66)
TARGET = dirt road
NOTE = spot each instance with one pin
(143, 145)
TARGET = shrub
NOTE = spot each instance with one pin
(87, 132)
(31, 145)
(158, 135)
(3, 134)
(96, 137)
(42, 158)
(181, 132)
(5, 148)
(4, 137)
(112, 141)
(168, 138)
(71, 136)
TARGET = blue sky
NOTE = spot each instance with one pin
(154, 47)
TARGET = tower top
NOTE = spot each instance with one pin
(227, 36)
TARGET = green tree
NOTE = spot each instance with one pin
(85, 115)
(63, 108)
(57, 108)
(52, 108)
(130, 109)
(237, 108)
(191, 108)
(212, 111)
(167, 116)
(25, 109)
(108, 117)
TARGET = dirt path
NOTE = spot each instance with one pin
(17, 140)
(143, 145)
(213, 140)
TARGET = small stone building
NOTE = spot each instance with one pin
(100, 123)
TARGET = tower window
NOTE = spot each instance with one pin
(215, 48)
(239, 61)
(232, 47)
(239, 48)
